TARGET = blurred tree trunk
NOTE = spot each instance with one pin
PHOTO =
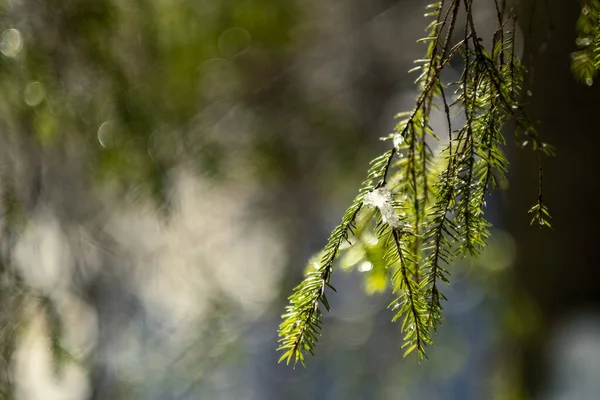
(556, 268)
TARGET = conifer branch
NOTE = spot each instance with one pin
(438, 242)
(302, 323)
(409, 305)
(441, 214)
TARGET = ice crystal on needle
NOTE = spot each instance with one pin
(382, 199)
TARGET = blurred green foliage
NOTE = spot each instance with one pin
(140, 86)
(113, 95)
(586, 62)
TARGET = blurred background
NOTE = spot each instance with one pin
(168, 167)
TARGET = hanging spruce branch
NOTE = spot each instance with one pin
(428, 208)
(302, 322)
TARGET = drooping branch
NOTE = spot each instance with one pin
(302, 323)
(441, 211)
